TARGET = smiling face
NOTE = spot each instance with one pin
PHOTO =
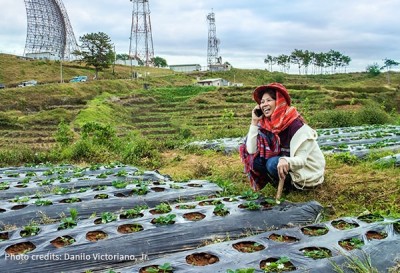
(267, 105)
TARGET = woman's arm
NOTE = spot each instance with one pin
(251, 142)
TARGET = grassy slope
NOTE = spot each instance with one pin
(34, 112)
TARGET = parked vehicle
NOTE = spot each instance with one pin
(28, 83)
(79, 79)
(2, 86)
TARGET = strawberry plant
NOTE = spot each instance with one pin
(30, 230)
(69, 222)
(163, 208)
(165, 220)
(241, 270)
(251, 205)
(41, 202)
(107, 217)
(164, 268)
(277, 265)
(220, 210)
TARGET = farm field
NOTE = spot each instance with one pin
(59, 144)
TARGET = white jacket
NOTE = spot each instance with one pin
(306, 161)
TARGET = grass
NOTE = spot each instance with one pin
(149, 128)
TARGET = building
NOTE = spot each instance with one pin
(185, 67)
(213, 82)
(220, 67)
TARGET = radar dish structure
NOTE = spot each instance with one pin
(49, 30)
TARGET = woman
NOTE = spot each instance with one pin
(279, 144)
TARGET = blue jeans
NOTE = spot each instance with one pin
(269, 166)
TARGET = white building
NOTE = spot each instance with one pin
(213, 82)
(185, 67)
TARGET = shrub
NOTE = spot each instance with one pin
(64, 136)
(330, 119)
(372, 115)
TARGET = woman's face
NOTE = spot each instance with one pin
(267, 105)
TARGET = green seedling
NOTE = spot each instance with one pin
(41, 202)
(163, 208)
(107, 217)
(69, 222)
(165, 220)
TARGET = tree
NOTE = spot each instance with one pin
(96, 50)
(388, 65)
(373, 69)
(159, 62)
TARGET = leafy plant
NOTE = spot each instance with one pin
(356, 264)
(41, 202)
(119, 184)
(69, 222)
(30, 230)
(251, 205)
(241, 270)
(134, 212)
(221, 210)
(278, 265)
(164, 268)
(163, 208)
(165, 220)
(249, 195)
(107, 217)
(316, 252)
(142, 189)
(351, 243)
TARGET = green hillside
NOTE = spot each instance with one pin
(115, 118)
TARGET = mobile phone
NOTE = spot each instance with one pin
(258, 112)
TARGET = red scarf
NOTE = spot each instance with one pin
(281, 118)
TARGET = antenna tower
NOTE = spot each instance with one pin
(213, 42)
(49, 29)
(141, 40)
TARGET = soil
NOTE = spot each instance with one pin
(371, 235)
(201, 259)
(221, 213)
(343, 225)
(69, 200)
(62, 241)
(158, 189)
(194, 216)
(101, 196)
(4, 236)
(248, 247)
(96, 235)
(131, 216)
(20, 248)
(185, 206)
(210, 202)
(266, 205)
(314, 230)
(17, 207)
(288, 265)
(346, 244)
(129, 228)
(282, 238)
(319, 251)
(144, 269)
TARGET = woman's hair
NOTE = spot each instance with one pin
(271, 92)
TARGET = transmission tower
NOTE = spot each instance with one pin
(141, 40)
(49, 29)
(213, 42)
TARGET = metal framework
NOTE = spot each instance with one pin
(213, 42)
(49, 33)
(141, 40)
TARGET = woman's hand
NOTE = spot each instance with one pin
(283, 168)
(254, 118)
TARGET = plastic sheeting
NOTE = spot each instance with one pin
(383, 253)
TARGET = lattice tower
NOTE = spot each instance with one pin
(213, 42)
(141, 39)
(49, 29)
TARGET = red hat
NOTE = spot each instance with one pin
(259, 92)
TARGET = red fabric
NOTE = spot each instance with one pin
(282, 116)
(267, 146)
(259, 91)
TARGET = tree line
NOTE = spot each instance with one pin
(323, 62)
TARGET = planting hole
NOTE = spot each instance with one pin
(158, 189)
(194, 216)
(396, 226)
(194, 185)
(282, 238)
(121, 195)
(20, 248)
(17, 207)
(371, 218)
(129, 228)
(248, 246)
(96, 235)
(375, 235)
(314, 230)
(101, 196)
(344, 225)
(201, 259)
(2, 210)
(185, 206)
(210, 202)
(62, 241)
(71, 200)
(4, 236)
(351, 243)
(277, 264)
(155, 268)
(316, 252)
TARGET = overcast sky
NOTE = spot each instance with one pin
(367, 31)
